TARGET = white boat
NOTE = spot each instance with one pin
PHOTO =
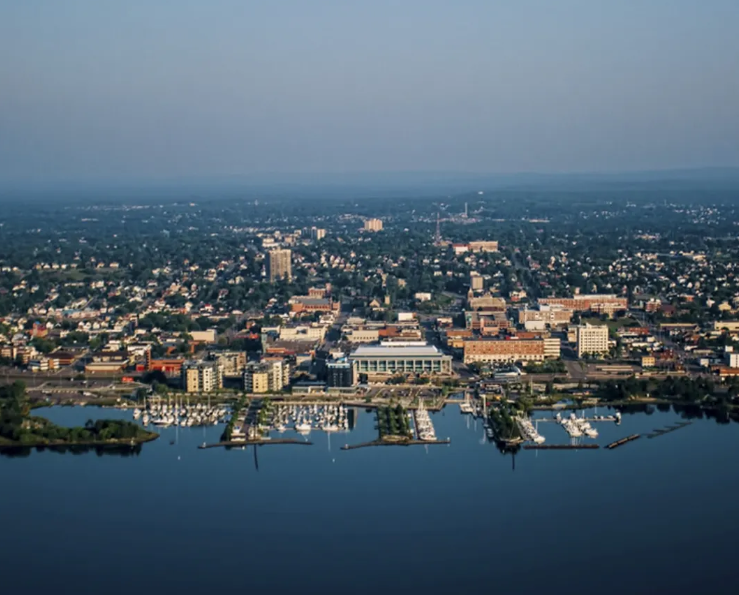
(303, 427)
(136, 413)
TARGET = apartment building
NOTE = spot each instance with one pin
(591, 339)
(373, 225)
(201, 377)
(279, 264)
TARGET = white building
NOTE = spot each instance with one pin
(591, 339)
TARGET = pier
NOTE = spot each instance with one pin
(623, 441)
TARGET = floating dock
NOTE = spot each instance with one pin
(256, 443)
(561, 446)
(623, 441)
(398, 443)
(668, 429)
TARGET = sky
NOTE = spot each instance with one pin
(154, 89)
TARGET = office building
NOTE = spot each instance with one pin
(201, 377)
(510, 351)
(341, 373)
(373, 225)
(552, 315)
(591, 339)
(279, 264)
(598, 303)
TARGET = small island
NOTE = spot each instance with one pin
(21, 430)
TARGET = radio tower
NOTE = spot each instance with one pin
(437, 240)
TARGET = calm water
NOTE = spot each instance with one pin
(655, 516)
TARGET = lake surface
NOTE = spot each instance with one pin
(654, 516)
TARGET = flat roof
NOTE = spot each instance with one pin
(404, 351)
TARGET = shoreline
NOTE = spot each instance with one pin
(88, 444)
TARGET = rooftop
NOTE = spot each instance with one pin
(399, 351)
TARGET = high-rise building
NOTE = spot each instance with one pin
(279, 264)
(591, 339)
(271, 374)
(201, 377)
(340, 373)
(317, 233)
(373, 225)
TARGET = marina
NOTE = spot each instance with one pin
(160, 413)
(424, 427)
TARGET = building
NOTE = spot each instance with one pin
(317, 233)
(280, 371)
(170, 367)
(476, 282)
(279, 264)
(552, 315)
(307, 304)
(256, 378)
(510, 350)
(231, 363)
(207, 336)
(648, 361)
(487, 303)
(373, 225)
(341, 373)
(730, 325)
(362, 335)
(313, 332)
(201, 377)
(600, 303)
(591, 339)
(732, 359)
(483, 246)
(422, 296)
(400, 358)
(266, 376)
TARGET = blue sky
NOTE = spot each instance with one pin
(99, 89)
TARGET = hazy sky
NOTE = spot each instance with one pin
(95, 89)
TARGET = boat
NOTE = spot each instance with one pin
(303, 427)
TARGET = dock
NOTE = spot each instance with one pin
(623, 441)
(255, 443)
(561, 446)
(668, 429)
(399, 443)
